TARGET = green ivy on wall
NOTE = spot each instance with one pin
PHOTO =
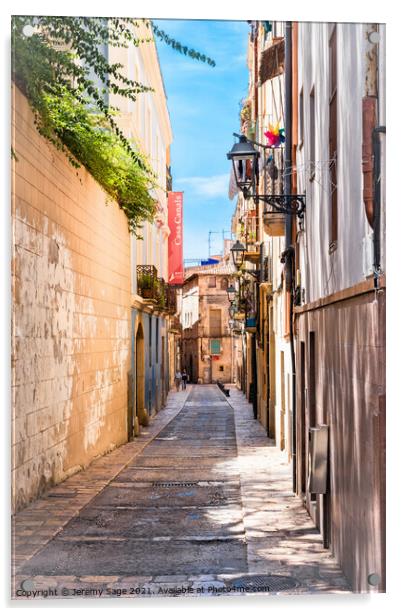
(57, 63)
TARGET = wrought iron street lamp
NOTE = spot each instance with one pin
(238, 249)
(231, 291)
(244, 159)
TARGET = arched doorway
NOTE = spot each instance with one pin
(141, 416)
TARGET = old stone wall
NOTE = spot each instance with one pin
(71, 299)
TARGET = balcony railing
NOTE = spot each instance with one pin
(147, 282)
(171, 296)
(154, 289)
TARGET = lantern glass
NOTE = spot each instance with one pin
(231, 291)
(238, 251)
(244, 159)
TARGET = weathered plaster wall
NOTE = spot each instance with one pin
(349, 397)
(71, 293)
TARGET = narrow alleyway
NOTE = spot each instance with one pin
(205, 500)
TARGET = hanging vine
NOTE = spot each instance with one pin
(58, 64)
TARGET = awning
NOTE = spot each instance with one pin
(273, 61)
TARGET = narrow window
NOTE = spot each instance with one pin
(332, 141)
(302, 441)
(311, 414)
(301, 118)
(212, 281)
(149, 134)
(312, 381)
(215, 326)
(150, 341)
(312, 135)
(137, 102)
(157, 340)
(283, 402)
(156, 155)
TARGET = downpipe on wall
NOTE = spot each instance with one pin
(377, 131)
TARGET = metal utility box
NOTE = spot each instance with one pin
(318, 459)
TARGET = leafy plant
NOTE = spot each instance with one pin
(146, 281)
(59, 67)
(183, 49)
(245, 113)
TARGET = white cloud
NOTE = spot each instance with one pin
(212, 186)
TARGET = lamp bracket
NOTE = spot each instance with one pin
(254, 273)
(285, 204)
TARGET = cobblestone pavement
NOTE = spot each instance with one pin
(198, 505)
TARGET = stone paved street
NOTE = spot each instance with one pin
(199, 500)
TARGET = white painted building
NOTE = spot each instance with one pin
(333, 264)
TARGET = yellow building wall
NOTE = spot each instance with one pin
(71, 319)
(146, 121)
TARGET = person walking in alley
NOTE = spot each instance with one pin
(177, 379)
(184, 378)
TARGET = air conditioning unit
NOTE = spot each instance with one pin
(318, 459)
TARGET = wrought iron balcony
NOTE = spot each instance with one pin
(154, 289)
(147, 282)
(171, 294)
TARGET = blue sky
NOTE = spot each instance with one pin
(204, 105)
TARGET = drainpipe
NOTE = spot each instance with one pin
(373, 121)
(377, 203)
(289, 250)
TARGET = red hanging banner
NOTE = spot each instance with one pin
(175, 240)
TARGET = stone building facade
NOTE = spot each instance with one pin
(208, 351)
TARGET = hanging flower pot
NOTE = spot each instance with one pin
(274, 223)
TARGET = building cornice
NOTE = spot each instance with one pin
(366, 286)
